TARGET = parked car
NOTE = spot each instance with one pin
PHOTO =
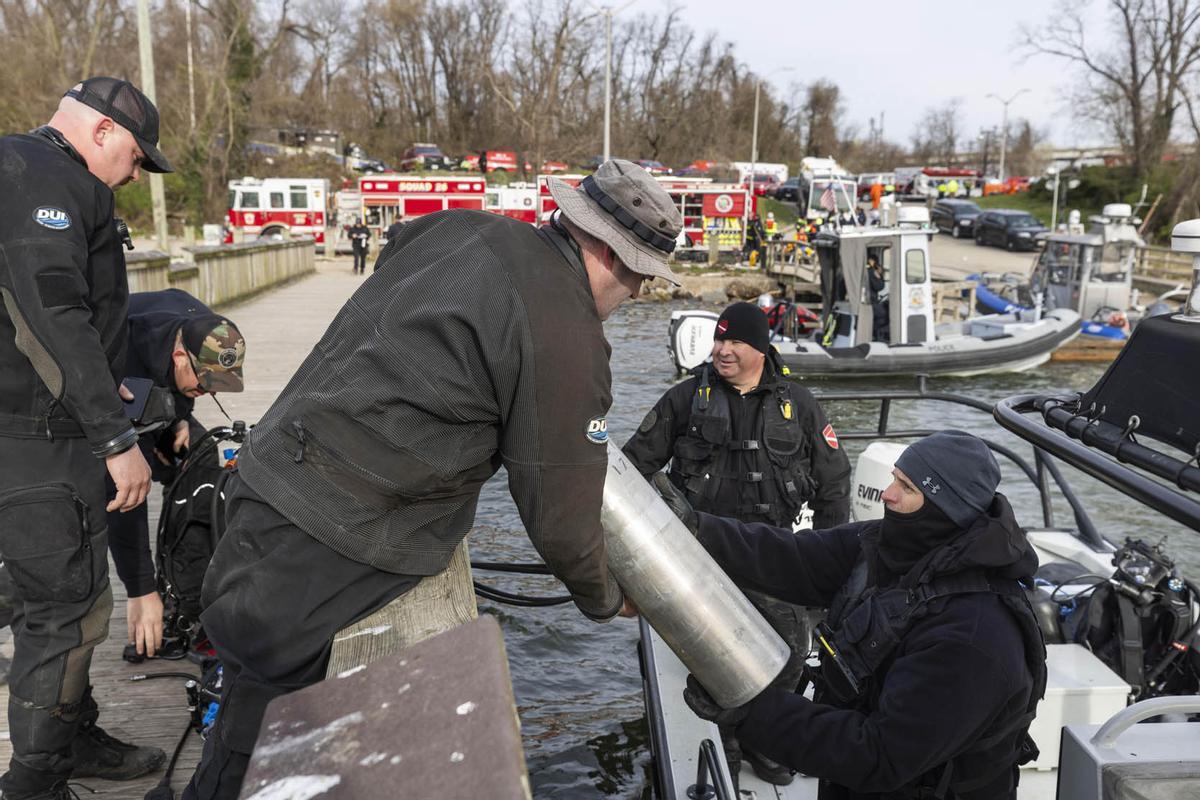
(955, 217)
(653, 167)
(789, 190)
(1008, 228)
(551, 167)
(423, 156)
(764, 183)
(357, 159)
(497, 161)
(697, 168)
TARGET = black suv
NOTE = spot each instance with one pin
(788, 191)
(955, 217)
(1008, 228)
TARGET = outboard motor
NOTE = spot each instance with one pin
(690, 338)
(873, 474)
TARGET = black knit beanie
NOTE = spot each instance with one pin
(747, 323)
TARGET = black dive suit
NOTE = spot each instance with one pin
(956, 685)
(476, 344)
(62, 349)
(756, 457)
(155, 319)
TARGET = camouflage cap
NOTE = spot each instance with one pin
(218, 358)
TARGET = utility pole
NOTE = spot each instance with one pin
(754, 139)
(146, 52)
(187, 10)
(608, 15)
(609, 12)
(1004, 128)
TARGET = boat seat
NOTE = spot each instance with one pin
(1173, 780)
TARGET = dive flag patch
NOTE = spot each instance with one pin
(830, 436)
(597, 430)
(723, 326)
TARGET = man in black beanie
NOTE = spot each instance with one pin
(745, 442)
(932, 662)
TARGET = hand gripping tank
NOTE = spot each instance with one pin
(677, 586)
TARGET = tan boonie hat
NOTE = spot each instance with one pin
(622, 206)
(217, 357)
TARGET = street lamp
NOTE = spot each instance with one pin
(754, 134)
(609, 12)
(1004, 127)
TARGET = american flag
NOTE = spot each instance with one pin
(828, 202)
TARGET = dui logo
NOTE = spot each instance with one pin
(53, 218)
(597, 430)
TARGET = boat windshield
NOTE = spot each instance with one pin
(843, 193)
(1061, 261)
(1116, 258)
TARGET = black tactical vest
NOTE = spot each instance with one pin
(701, 464)
(867, 624)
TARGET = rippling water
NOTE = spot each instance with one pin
(577, 683)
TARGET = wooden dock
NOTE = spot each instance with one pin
(280, 328)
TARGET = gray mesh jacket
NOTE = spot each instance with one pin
(475, 344)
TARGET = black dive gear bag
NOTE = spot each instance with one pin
(189, 527)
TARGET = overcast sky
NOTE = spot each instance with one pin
(900, 57)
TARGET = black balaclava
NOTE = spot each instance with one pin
(904, 539)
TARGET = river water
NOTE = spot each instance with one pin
(577, 683)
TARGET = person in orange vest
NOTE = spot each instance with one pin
(772, 225)
(876, 195)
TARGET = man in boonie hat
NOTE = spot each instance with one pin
(627, 211)
(477, 342)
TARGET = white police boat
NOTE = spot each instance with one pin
(907, 339)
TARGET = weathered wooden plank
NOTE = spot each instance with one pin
(437, 604)
(435, 720)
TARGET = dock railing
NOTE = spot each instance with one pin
(221, 274)
(1160, 269)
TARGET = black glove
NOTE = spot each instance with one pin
(705, 707)
(676, 501)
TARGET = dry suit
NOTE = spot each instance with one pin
(756, 457)
(947, 658)
(476, 345)
(155, 320)
(62, 349)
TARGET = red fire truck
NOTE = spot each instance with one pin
(275, 207)
(517, 200)
(720, 208)
(386, 198)
(716, 209)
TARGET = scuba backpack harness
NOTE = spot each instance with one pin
(867, 624)
(700, 462)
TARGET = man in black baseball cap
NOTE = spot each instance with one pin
(63, 428)
(125, 104)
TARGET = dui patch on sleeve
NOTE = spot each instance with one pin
(57, 289)
(648, 422)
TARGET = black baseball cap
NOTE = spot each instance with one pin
(129, 108)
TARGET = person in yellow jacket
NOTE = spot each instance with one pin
(772, 227)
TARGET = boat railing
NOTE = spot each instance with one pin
(1099, 450)
(709, 766)
(1043, 472)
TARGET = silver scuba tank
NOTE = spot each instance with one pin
(678, 587)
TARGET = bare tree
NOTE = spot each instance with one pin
(822, 117)
(1134, 83)
(935, 139)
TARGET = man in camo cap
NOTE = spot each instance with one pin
(184, 347)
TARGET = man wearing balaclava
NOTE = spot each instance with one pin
(931, 658)
(745, 442)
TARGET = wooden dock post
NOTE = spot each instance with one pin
(437, 604)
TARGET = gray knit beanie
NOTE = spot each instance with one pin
(955, 471)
